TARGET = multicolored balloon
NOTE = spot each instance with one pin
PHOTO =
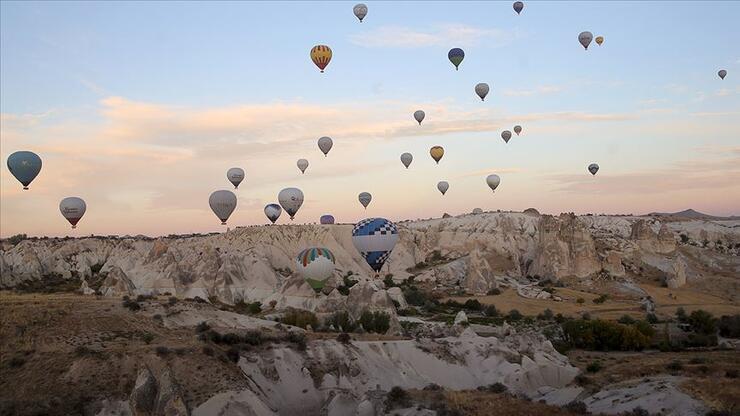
(443, 186)
(365, 198)
(325, 144)
(315, 264)
(482, 90)
(375, 238)
(599, 40)
(437, 152)
(419, 116)
(25, 166)
(72, 208)
(456, 56)
(585, 39)
(493, 181)
(222, 203)
(518, 7)
(273, 211)
(326, 219)
(506, 135)
(302, 165)
(593, 168)
(722, 73)
(406, 159)
(291, 200)
(321, 55)
(360, 11)
(517, 129)
(235, 176)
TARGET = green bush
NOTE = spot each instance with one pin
(601, 299)
(15, 239)
(652, 318)
(414, 296)
(375, 321)
(341, 321)
(594, 367)
(300, 318)
(626, 319)
(397, 397)
(580, 301)
(388, 281)
(546, 315)
(491, 311)
(493, 292)
(514, 315)
(729, 326)
(605, 335)
(674, 365)
(473, 305)
(344, 338)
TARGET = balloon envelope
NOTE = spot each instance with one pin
(326, 219)
(419, 116)
(273, 211)
(325, 144)
(360, 10)
(493, 181)
(437, 152)
(365, 198)
(518, 7)
(302, 165)
(599, 40)
(585, 39)
(456, 55)
(593, 168)
(235, 176)
(321, 55)
(406, 159)
(222, 204)
(506, 135)
(25, 166)
(291, 200)
(443, 186)
(722, 73)
(517, 129)
(72, 208)
(482, 90)
(375, 238)
(315, 264)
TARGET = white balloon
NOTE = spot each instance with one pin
(222, 203)
(302, 165)
(722, 73)
(517, 129)
(291, 200)
(365, 198)
(585, 39)
(443, 186)
(273, 211)
(315, 263)
(506, 135)
(419, 116)
(72, 208)
(593, 168)
(493, 181)
(406, 159)
(360, 10)
(325, 144)
(482, 90)
(235, 176)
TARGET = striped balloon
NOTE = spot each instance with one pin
(321, 55)
(375, 238)
(315, 264)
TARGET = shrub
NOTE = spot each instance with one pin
(300, 318)
(397, 397)
(132, 305)
(594, 367)
(16, 362)
(414, 296)
(626, 319)
(208, 351)
(729, 326)
(577, 407)
(473, 305)
(494, 388)
(491, 311)
(514, 315)
(375, 321)
(15, 239)
(604, 335)
(702, 322)
(731, 373)
(681, 314)
(147, 337)
(580, 301)
(162, 351)
(684, 238)
(493, 292)
(233, 354)
(674, 365)
(344, 338)
(651, 318)
(341, 321)
(202, 327)
(388, 281)
(601, 299)
(582, 380)
(546, 315)
(172, 301)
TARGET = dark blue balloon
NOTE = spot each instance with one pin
(25, 166)
(456, 55)
(327, 219)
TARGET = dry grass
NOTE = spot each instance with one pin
(478, 403)
(689, 298)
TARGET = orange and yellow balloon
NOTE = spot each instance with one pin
(437, 152)
(599, 40)
(321, 55)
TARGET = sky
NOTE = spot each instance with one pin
(140, 108)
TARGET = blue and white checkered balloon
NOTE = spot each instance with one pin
(375, 238)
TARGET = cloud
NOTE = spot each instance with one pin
(541, 90)
(441, 35)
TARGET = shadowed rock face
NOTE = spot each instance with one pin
(255, 263)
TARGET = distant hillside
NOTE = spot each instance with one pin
(692, 214)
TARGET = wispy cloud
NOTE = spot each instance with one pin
(541, 90)
(442, 35)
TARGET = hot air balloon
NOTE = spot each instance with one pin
(406, 159)
(273, 211)
(482, 90)
(517, 129)
(326, 219)
(477, 211)
(321, 55)
(599, 40)
(72, 208)
(315, 264)
(443, 186)
(360, 10)
(493, 181)
(291, 199)
(506, 135)
(722, 73)
(302, 165)
(593, 168)
(235, 176)
(365, 198)
(585, 39)
(25, 166)
(518, 7)
(437, 152)
(375, 238)
(419, 116)
(325, 144)
(456, 55)
(222, 203)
